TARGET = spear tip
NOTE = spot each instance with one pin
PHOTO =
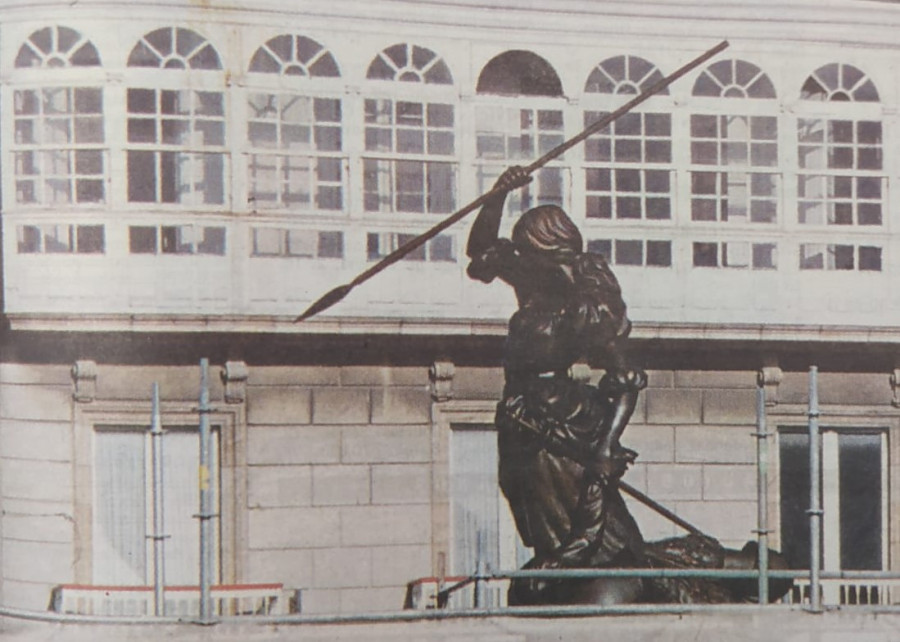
(325, 302)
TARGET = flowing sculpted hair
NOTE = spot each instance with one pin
(547, 228)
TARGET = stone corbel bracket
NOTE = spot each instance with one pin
(895, 387)
(440, 376)
(84, 376)
(769, 377)
(234, 377)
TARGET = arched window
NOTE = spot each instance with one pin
(733, 79)
(294, 128)
(628, 166)
(410, 63)
(174, 48)
(519, 117)
(624, 75)
(57, 47)
(176, 135)
(841, 175)
(293, 55)
(59, 145)
(410, 147)
(839, 82)
(734, 157)
(519, 73)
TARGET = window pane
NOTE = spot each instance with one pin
(859, 463)
(142, 240)
(90, 239)
(706, 255)
(267, 241)
(331, 245)
(141, 177)
(841, 257)
(120, 511)
(28, 239)
(812, 256)
(629, 253)
(870, 258)
(659, 253)
(212, 241)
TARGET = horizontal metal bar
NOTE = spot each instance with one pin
(523, 611)
(709, 573)
(587, 573)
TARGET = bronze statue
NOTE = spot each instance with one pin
(558, 439)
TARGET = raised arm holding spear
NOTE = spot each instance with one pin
(337, 294)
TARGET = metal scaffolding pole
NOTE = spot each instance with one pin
(158, 537)
(206, 514)
(815, 502)
(762, 492)
(480, 570)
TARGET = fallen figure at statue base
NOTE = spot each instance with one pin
(693, 551)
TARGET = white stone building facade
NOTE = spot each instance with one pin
(181, 179)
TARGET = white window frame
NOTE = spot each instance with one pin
(286, 85)
(231, 428)
(835, 419)
(448, 417)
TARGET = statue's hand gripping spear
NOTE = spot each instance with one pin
(338, 293)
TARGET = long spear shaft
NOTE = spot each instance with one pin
(338, 293)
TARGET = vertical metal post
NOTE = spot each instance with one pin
(480, 569)
(762, 493)
(206, 509)
(815, 502)
(159, 550)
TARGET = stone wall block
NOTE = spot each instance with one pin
(36, 440)
(279, 486)
(733, 482)
(729, 407)
(385, 525)
(412, 376)
(371, 376)
(342, 568)
(38, 562)
(674, 481)
(293, 445)
(652, 443)
(36, 403)
(386, 444)
(291, 567)
(341, 405)
(660, 379)
(401, 484)
(653, 525)
(731, 522)
(48, 527)
(478, 383)
(673, 406)
(26, 373)
(715, 445)
(837, 389)
(278, 405)
(341, 485)
(398, 565)
(36, 480)
(294, 376)
(401, 406)
(293, 527)
(181, 383)
(378, 600)
(703, 379)
(321, 601)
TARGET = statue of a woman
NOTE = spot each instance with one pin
(551, 428)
